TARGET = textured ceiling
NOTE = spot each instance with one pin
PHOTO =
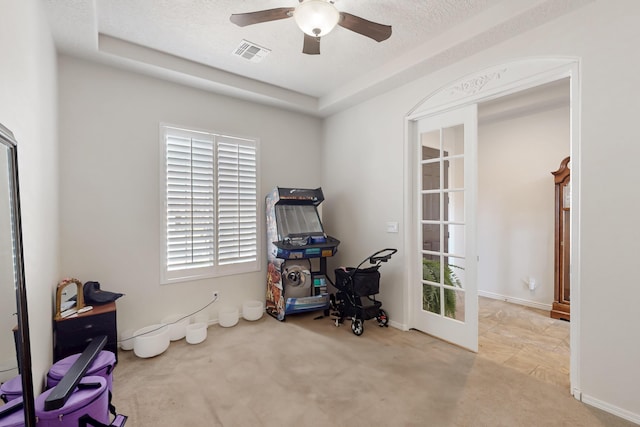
(191, 41)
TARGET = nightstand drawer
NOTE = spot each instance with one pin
(100, 324)
(72, 335)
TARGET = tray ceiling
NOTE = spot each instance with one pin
(192, 42)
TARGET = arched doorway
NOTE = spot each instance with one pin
(429, 128)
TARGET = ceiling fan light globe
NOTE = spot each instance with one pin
(316, 17)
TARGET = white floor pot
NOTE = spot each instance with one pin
(252, 310)
(228, 316)
(151, 340)
(177, 326)
(196, 333)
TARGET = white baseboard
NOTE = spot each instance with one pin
(398, 325)
(532, 304)
(622, 413)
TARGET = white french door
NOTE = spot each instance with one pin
(444, 290)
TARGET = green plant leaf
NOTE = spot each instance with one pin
(431, 295)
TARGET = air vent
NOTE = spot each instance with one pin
(251, 51)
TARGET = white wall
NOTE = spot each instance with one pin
(362, 182)
(28, 108)
(109, 212)
(109, 163)
(516, 204)
(363, 174)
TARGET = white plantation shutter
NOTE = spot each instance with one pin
(237, 201)
(210, 205)
(189, 202)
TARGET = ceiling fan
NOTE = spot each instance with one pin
(316, 18)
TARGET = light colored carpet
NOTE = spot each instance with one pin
(306, 372)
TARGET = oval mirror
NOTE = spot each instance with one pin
(69, 297)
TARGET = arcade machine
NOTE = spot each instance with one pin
(297, 252)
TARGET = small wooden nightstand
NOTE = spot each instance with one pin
(71, 335)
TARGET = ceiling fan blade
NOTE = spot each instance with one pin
(311, 45)
(373, 30)
(249, 18)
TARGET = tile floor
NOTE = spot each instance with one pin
(525, 339)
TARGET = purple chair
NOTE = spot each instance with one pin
(88, 405)
(102, 365)
(78, 400)
(13, 414)
(11, 389)
(90, 398)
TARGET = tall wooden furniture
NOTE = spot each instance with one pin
(73, 334)
(562, 287)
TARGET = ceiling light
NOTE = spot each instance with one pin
(316, 17)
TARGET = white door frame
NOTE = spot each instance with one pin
(485, 85)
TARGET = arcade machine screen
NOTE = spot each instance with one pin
(298, 223)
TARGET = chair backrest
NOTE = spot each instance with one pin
(102, 366)
(79, 399)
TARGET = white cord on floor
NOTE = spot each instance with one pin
(175, 321)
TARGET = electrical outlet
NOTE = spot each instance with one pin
(216, 294)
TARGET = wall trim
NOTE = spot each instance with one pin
(622, 413)
(398, 325)
(493, 83)
(519, 301)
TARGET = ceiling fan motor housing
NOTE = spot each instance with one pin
(316, 17)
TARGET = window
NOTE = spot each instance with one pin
(209, 209)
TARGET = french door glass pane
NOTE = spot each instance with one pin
(431, 237)
(431, 176)
(454, 280)
(454, 239)
(454, 270)
(453, 140)
(430, 144)
(454, 206)
(454, 170)
(431, 207)
(431, 298)
(454, 304)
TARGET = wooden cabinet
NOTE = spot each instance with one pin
(73, 334)
(561, 308)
